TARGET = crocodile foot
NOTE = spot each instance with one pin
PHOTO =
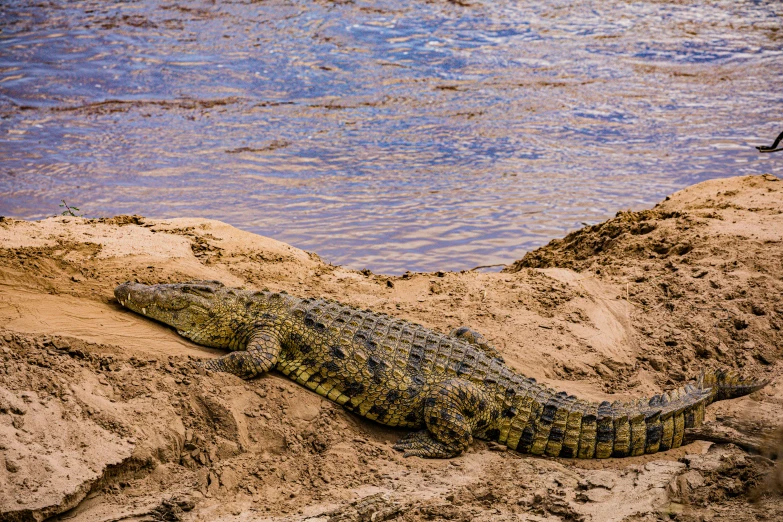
(421, 444)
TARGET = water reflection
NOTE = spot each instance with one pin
(397, 136)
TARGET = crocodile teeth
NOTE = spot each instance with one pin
(144, 311)
(122, 302)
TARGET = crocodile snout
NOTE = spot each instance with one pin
(135, 296)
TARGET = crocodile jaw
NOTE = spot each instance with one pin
(198, 310)
(165, 303)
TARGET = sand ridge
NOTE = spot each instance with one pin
(621, 309)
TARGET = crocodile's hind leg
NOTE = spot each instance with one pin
(260, 356)
(453, 412)
(477, 340)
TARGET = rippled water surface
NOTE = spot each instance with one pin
(394, 135)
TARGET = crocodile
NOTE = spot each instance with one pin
(449, 388)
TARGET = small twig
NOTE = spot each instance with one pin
(724, 435)
(773, 147)
(485, 266)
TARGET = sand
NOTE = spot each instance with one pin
(102, 417)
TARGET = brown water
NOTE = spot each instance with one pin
(394, 135)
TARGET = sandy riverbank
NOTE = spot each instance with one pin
(99, 410)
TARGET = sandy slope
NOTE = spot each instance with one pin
(100, 409)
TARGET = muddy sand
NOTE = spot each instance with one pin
(102, 417)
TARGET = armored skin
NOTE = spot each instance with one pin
(450, 388)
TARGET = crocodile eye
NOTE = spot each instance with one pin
(199, 289)
(203, 282)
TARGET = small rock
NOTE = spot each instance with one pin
(11, 466)
(12, 404)
(594, 495)
(677, 375)
(658, 363)
(693, 479)
(185, 502)
(763, 359)
(213, 484)
(61, 344)
(228, 479)
(600, 479)
(202, 479)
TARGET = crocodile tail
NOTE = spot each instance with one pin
(659, 423)
(543, 422)
(726, 384)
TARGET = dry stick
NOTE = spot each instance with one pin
(712, 432)
(772, 148)
(485, 266)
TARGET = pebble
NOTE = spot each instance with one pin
(61, 344)
(594, 495)
(11, 466)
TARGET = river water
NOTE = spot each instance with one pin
(395, 135)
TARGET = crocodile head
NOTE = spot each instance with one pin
(203, 311)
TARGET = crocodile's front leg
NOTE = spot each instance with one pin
(477, 340)
(261, 354)
(453, 412)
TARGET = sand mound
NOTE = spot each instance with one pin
(102, 414)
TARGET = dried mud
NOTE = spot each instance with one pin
(103, 416)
